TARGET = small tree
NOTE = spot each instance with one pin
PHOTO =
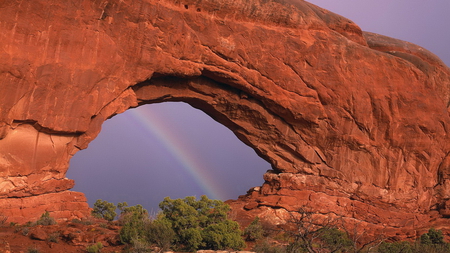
(160, 232)
(104, 210)
(254, 231)
(94, 248)
(134, 220)
(432, 237)
(266, 247)
(355, 232)
(222, 235)
(309, 232)
(393, 247)
(46, 219)
(335, 240)
(201, 224)
(304, 230)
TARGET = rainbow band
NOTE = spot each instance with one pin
(155, 125)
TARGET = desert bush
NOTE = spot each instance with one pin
(432, 237)
(201, 224)
(3, 219)
(433, 241)
(29, 224)
(304, 232)
(53, 237)
(223, 235)
(46, 219)
(334, 240)
(436, 248)
(25, 231)
(139, 246)
(134, 220)
(32, 249)
(265, 246)
(104, 210)
(95, 248)
(254, 231)
(408, 247)
(160, 233)
(396, 247)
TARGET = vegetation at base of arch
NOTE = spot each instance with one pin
(305, 236)
(46, 219)
(430, 242)
(104, 210)
(183, 224)
(254, 231)
(334, 240)
(189, 224)
(201, 224)
(134, 220)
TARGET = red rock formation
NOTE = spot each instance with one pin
(353, 123)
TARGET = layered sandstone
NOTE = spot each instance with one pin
(355, 124)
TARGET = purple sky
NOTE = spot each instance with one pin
(131, 161)
(425, 23)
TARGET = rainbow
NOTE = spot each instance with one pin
(156, 126)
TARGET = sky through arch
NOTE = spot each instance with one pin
(167, 149)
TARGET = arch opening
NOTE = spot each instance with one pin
(165, 149)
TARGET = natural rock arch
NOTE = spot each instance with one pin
(326, 104)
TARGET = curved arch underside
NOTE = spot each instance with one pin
(353, 123)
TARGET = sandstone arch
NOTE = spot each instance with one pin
(340, 114)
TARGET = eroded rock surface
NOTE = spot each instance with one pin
(355, 124)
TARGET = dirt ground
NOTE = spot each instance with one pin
(63, 237)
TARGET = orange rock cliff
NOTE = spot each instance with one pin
(354, 124)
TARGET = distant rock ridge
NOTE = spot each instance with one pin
(354, 124)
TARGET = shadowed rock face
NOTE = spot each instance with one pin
(353, 123)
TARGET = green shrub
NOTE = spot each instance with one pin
(25, 231)
(201, 224)
(254, 231)
(160, 232)
(223, 235)
(396, 247)
(95, 248)
(46, 219)
(140, 246)
(432, 248)
(134, 220)
(297, 247)
(335, 240)
(53, 237)
(104, 210)
(191, 239)
(33, 249)
(265, 247)
(129, 211)
(432, 237)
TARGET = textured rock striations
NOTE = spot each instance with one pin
(355, 124)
